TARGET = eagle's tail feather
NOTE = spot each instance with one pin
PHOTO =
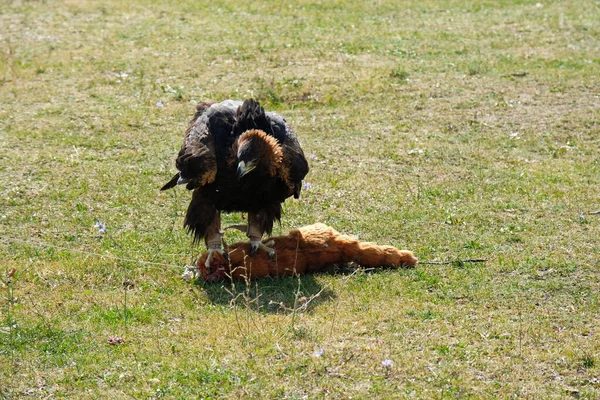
(199, 216)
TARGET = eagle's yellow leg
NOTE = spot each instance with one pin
(255, 234)
(213, 239)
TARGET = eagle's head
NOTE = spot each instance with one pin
(259, 152)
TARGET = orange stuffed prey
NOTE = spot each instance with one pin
(310, 248)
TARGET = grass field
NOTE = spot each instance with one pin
(457, 129)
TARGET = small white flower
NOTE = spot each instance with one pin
(306, 185)
(160, 104)
(387, 363)
(319, 353)
(101, 226)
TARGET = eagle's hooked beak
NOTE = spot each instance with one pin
(244, 168)
(182, 180)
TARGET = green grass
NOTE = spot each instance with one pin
(455, 129)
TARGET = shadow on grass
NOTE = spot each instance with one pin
(282, 294)
(272, 294)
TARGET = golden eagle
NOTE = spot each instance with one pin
(237, 157)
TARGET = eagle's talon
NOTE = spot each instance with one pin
(257, 244)
(211, 253)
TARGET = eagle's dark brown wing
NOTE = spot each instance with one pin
(199, 160)
(196, 161)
